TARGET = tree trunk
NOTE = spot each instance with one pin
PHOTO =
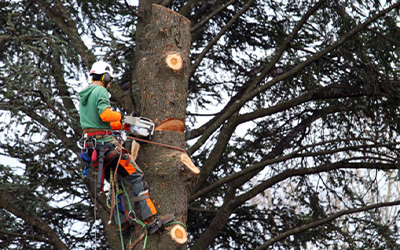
(163, 96)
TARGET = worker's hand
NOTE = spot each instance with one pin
(116, 125)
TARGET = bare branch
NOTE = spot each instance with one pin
(208, 128)
(324, 221)
(34, 221)
(65, 22)
(218, 36)
(207, 18)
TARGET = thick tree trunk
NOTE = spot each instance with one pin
(163, 96)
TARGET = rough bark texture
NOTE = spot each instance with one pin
(163, 96)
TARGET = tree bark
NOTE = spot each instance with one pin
(163, 96)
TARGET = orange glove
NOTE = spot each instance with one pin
(110, 116)
(116, 125)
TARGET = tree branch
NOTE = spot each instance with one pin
(248, 173)
(34, 221)
(65, 22)
(24, 236)
(218, 36)
(323, 93)
(308, 171)
(207, 18)
(324, 221)
(188, 7)
(278, 53)
(230, 203)
(214, 158)
(208, 128)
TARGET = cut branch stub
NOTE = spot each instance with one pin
(179, 234)
(172, 124)
(174, 61)
(185, 159)
(134, 150)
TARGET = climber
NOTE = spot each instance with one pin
(98, 121)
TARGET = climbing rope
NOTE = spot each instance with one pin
(117, 188)
(141, 223)
(119, 226)
(156, 143)
(94, 209)
(113, 188)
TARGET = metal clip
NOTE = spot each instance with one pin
(78, 143)
(132, 214)
(94, 143)
(82, 145)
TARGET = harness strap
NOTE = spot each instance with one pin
(104, 132)
(100, 174)
(140, 198)
(107, 159)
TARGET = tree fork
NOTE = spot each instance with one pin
(162, 74)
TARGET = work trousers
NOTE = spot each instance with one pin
(130, 172)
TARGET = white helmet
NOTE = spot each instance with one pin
(101, 67)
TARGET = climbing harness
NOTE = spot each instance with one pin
(95, 154)
(98, 156)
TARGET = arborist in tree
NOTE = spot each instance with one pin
(104, 152)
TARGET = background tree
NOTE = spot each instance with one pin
(291, 114)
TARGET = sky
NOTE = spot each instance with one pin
(8, 161)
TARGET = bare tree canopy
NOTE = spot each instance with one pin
(290, 107)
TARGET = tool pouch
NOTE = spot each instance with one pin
(94, 160)
(86, 161)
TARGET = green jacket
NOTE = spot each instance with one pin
(92, 102)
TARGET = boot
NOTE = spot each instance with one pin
(156, 222)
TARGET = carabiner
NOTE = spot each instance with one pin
(79, 144)
(132, 214)
(94, 143)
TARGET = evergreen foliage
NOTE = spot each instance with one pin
(292, 116)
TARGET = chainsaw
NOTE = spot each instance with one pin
(144, 127)
(139, 126)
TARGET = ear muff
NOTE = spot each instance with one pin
(106, 78)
